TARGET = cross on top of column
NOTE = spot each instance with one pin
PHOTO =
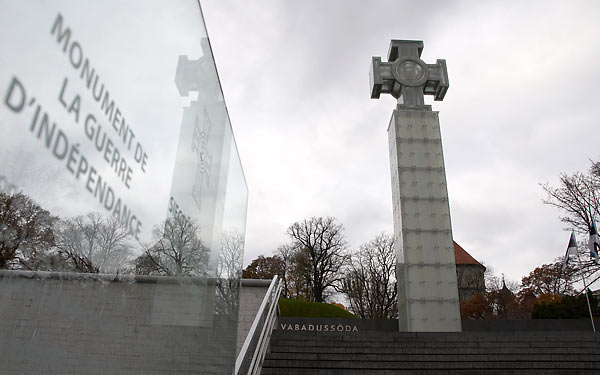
(406, 77)
(197, 75)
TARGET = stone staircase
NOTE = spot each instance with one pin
(297, 353)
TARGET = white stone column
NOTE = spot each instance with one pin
(426, 269)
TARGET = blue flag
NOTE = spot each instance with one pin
(594, 243)
(571, 250)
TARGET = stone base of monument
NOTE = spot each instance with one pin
(299, 352)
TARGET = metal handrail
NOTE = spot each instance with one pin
(262, 344)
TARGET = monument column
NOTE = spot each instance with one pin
(426, 269)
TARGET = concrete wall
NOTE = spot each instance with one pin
(58, 323)
(536, 325)
(251, 296)
(339, 325)
(336, 325)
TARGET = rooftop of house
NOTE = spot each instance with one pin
(462, 257)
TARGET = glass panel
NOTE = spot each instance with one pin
(122, 195)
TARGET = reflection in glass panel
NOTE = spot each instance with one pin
(122, 195)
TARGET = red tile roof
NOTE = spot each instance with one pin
(462, 257)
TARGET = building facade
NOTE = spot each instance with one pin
(469, 274)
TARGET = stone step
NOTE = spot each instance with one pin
(297, 352)
(430, 365)
(438, 336)
(424, 344)
(442, 350)
(419, 357)
(300, 371)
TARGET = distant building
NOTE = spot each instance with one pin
(469, 274)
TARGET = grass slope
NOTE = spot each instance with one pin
(295, 308)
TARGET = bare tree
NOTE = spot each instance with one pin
(583, 265)
(26, 232)
(292, 265)
(301, 275)
(176, 251)
(231, 255)
(323, 242)
(292, 272)
(229, 270)
(93, 244)
(578, 199)
(370, 279)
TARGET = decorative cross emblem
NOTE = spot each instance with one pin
(204, 158)
(406, 76)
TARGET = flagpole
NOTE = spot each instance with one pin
(585, 288)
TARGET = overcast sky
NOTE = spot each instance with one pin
(522, 107)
